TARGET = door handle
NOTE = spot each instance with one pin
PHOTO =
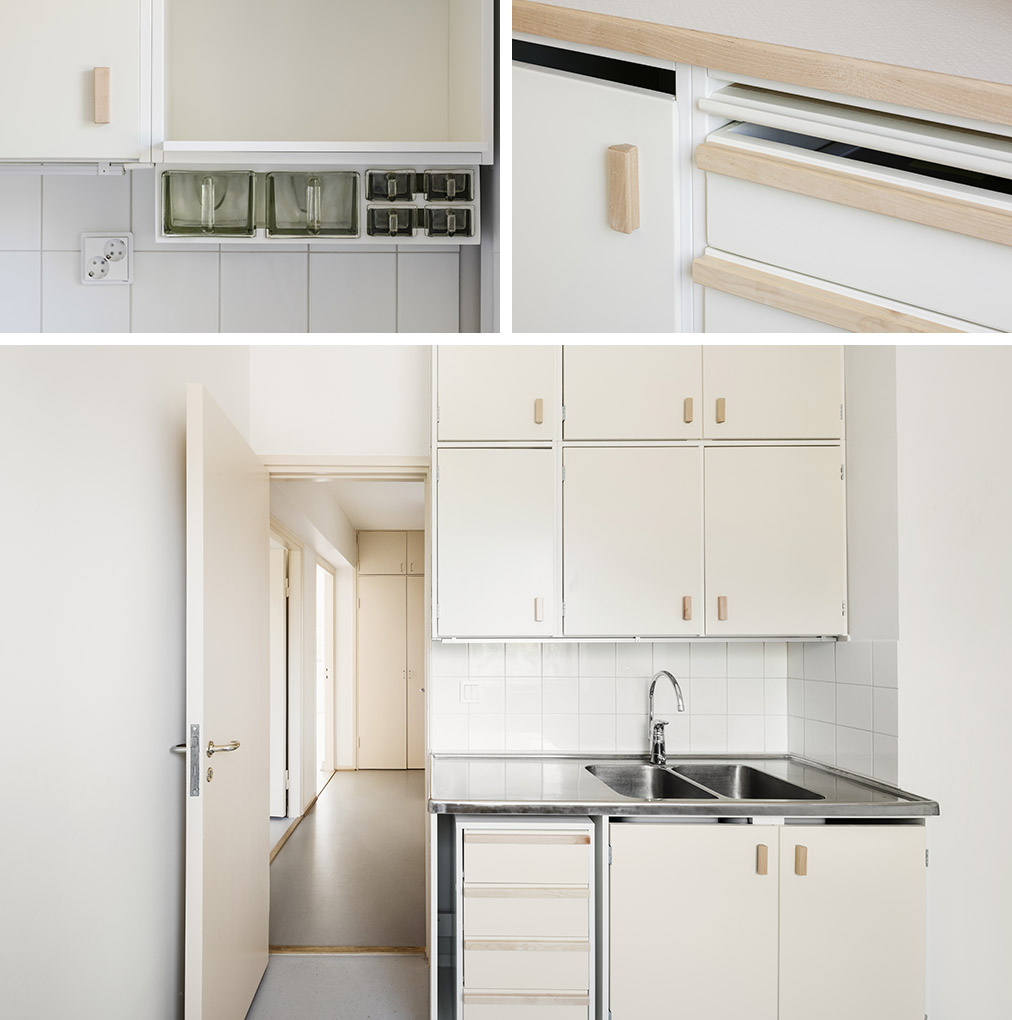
(624, 188)
(178, 749)
(213, 748)
(101, 94)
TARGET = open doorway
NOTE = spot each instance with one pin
(325, 627)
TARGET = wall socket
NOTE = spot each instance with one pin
(107, 258)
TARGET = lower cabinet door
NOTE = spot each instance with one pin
(694, 922)
(571, 271)
(852, 917)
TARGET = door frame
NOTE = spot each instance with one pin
(329, 750)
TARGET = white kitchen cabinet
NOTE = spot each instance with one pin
(382, 552)
(415, 656)
(852, 926)
(693, 922)
(767, 392)
(632, 392)
(52, 107)
(775, 540)
(495, 543)
(632, 541)
(496, 392)
(572, 272)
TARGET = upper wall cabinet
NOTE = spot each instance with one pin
(252, 78)
(772, 392)
(496, 393)
(632, 392)
(75, 81)
(391, 552)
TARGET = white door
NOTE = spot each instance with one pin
(632, 541)
(852, 918)
(227, 680)
(495, 525)
(47, 78)
(496, 392)
(775, 540)
(773, 392)
(632, 392)
(279, 681)
(571, 271)
(694, 922)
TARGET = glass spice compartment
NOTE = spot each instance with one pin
(321, 204)
(200, 204)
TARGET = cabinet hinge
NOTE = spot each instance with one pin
(563, 608)
(563, 412)
(843, 608)
(563, 472)
(841, 412)
(288, 588)
(437, 474)
(359, 603)
(437, 610)
(287, 780)
(925, 865)
(609, 861)
(841, 472)
(437, 413)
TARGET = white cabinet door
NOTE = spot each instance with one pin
(382, 552)
(852, 926)
(416, 671)
(772, 392)
(775, 546)
(495, 534)
(632, 392)
(694, 922)
(47, 78)
(496, 392)
(416, 552)
(632, 541)
(571, 271)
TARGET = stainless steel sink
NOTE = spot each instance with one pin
(647, 782)
(742, 782)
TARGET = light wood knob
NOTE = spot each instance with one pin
(800, 860)
(687, 411)
(762, 859)
(721, 607)
(687, 607)
(101, 95)
(624, 188)
(539, 610)
(539, 411)
(721, 410)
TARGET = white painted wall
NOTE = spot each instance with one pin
(970, 38)
(92, 672)
(955, 565)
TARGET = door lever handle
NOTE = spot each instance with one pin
(212, 747)
(178, 749)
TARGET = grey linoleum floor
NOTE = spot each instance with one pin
(353, 872)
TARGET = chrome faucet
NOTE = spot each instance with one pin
(658, 754)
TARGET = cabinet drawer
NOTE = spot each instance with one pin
(505, 912)
(548, 964)
(527, 858)
(478, 1006)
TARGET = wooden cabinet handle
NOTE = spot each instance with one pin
(721, 410)
(101, 95)
(624, 188)
(721, 607)
(687, 411)
(686, 607)
(539, 411)
(762, 859)
(539, 610)
(800, 859)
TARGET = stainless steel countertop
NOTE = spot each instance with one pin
(561, 785)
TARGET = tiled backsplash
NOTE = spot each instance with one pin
(568, 697)
(842, 705)
(203, 289)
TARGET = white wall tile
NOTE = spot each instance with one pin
(777, 740)
(853, 706)
(20, 212)
(449, 733)
(560, 695)
(558, 659)
(523, 732)
(820, 741)
(679, 734)
(352, 293)
(708, 734)
(746, 696)
(143, 216)
(631, 694)
(634, 660)
(675, 658)
(775, 696)
(820, 701)
(795, 734)
(631, 734)
(428, 299)
(745, 658)
(775, 658)
(486, 733)
(560, 732)
(665, 700)
(886, 720)
(796, 697)
(796, 659)
(746, 734)
(884, 663)
(20, 291)
(597, 659)
(597, 732)
(597, 695)
(445, 696)
(264, 293)
(853, 662)
(523, 695)
(885, 758)
(73, 205)
(709, 695)
(491, 696)
(854, 750)
(487, 659)
(820, 660)
(709, 659)
(449, 659)
(68, 306)
(175, 292)
(523, 659)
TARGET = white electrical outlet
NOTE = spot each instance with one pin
(107, 258)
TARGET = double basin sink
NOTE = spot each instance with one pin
(697, 782)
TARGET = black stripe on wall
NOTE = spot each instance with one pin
(624, 72)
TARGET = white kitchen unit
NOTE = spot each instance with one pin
(595, 208)
(618, 392)
(77, 82)
(632, 541)
(384, 552)
(775, 540)
(495, 535)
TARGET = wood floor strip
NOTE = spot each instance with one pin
(348, 950)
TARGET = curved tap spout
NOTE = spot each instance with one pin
(655, 732)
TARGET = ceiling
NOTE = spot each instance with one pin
(381, 506)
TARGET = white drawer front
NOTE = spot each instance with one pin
(525, 1008)
(925, 266)
(556, 913)
(527, 964)
(527, 858)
